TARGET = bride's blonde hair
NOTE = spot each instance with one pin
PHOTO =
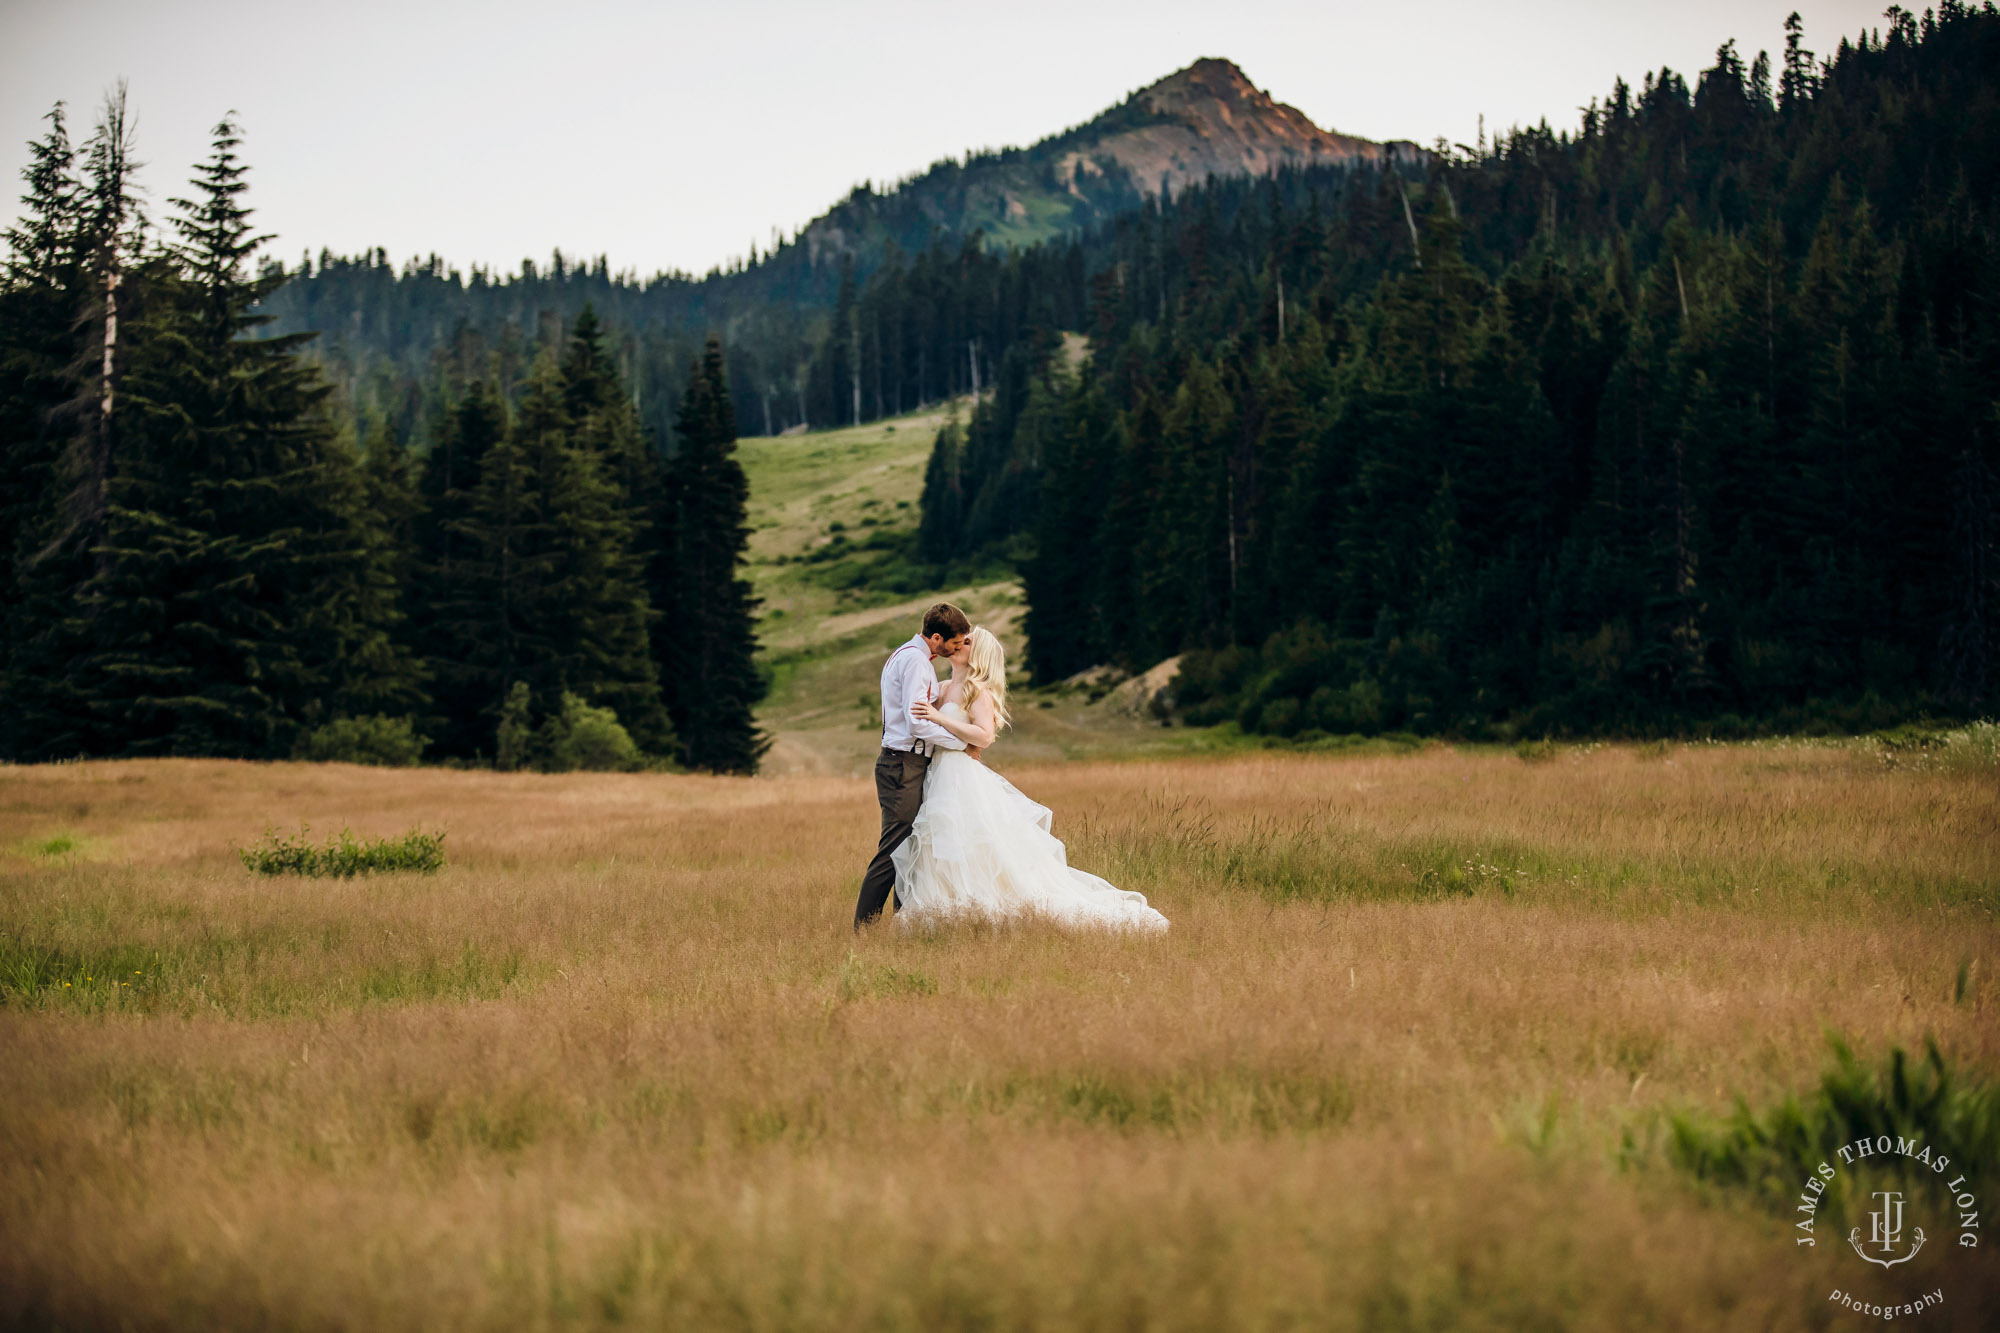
(986, 673)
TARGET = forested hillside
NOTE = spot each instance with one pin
(1682, 418)
(800, 346)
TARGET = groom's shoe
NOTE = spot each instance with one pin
(895, 905)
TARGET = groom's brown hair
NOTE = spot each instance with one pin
(946, 620)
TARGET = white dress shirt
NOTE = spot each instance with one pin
(907, 677)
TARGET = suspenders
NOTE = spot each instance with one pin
(918, 746)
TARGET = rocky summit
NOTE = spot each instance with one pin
(1207, 119)
(1210, 120)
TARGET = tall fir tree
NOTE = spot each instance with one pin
(707, 639)
(444, 597)
(41, 303)
(383, 671)
(232, 605)
(548, 591)
(81, 252)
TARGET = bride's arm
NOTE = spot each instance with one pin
(976, 732)
(982, 717)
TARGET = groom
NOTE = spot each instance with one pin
(907, 746)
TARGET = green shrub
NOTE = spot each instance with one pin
(344, 854)
(1281, 717)
(390, 742)
(1770, 1152)
(588, 738)
(1975, 745)
(1924, 746)
(1357, 707)
(1212, 676)
(576, 736)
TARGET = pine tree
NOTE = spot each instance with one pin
(605, 425)
(86, 251)
(942, 513)
(41, 302)
(550, 592)
(445, 600)
(1069, 627)
(233, 601)
(381, 671)
(707, 641)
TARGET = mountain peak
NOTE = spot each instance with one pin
(1211, 120)
(1209, 72)
(1206, 120)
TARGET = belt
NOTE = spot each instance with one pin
(921, 748)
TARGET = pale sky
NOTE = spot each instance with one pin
(672, 135)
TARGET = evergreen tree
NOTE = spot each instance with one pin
(549, 592)
(80, 251)
(444, 602)
(1069, 626)
(232, 601)
(707, 641)
(41, 303)
(382, 672)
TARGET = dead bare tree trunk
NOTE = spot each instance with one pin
(1416, 247)
(854, 361)
(112, 214)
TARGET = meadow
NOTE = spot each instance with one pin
(1408, 1058)
(833, 516)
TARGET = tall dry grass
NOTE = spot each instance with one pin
(1401, 1062)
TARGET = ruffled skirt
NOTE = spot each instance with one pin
(981, 850)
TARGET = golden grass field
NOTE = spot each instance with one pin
(1401, 1062)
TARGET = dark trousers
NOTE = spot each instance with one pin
(899, 786)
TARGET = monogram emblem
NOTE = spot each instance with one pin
(1885, 1232)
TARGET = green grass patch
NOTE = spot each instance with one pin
(278, 970)
(118, 975)
(62, 845)
(1974, 747)
(344, 854)
(472, 975)
(879, 567)
(1315, 858)
(1227, 1101)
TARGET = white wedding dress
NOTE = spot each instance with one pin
(981, 850)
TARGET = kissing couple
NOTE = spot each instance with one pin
(958, 840)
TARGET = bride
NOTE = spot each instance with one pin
(979, 848)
